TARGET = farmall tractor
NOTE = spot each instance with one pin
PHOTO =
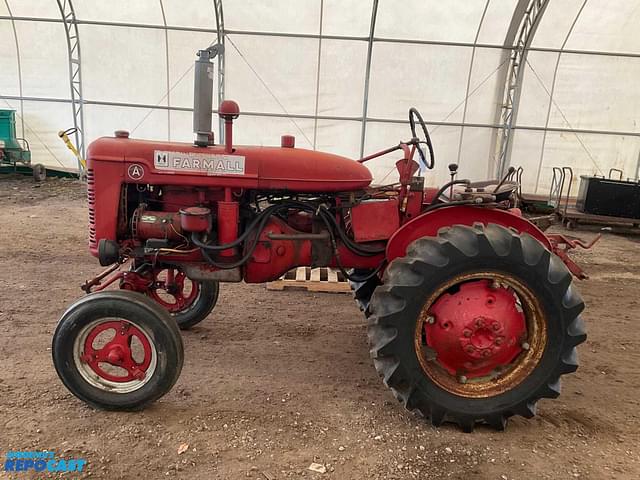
(472, 316)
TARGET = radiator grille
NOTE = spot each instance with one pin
(91, 200)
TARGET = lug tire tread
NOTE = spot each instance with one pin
(426, 258)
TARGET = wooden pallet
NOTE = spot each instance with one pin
(321, 279)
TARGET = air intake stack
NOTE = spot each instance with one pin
(203, 94)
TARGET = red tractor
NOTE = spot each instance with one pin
(472, 316)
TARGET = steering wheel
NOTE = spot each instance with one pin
(413, 115)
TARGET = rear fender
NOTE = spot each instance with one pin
(428, 224)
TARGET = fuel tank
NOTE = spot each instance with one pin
(250, 167)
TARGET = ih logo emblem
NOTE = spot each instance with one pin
(136, 171)
(161, 160)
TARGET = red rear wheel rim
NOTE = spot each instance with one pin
(480, 334)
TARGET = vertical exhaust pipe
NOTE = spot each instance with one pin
(203, 94)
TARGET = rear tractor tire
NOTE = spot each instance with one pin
(475, 326)
(363, 285)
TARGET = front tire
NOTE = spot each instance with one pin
(475, 326)
(117, 350)
(188, 301)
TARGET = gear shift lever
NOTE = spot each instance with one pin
(453, 171)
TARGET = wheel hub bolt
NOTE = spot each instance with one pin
(495, 326)
(431, 319)
(525, 346)
(486, 353)
(462, 379)
(494, 285)
(498, 341)
(467, 333)
(469, 349)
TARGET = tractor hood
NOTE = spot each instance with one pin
(264, 168)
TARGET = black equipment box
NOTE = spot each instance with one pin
(606, 196)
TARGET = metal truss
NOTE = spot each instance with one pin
(513, 86)
(367, 75)
(75, 71)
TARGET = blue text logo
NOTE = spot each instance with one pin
(41, 461)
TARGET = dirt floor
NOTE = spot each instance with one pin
(274, 381)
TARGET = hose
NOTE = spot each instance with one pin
(242, 237)
(259, 221)
(351, 245)
(337, 255)
(258, 224)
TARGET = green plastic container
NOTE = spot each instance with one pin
(8, 129)
(13, 152)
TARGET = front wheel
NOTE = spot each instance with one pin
(117, 350)
(188, 301)
(475, 325)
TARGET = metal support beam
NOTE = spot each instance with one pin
(167, 77)
(178, 28)
(522, 29)
(15, 37)
(579, 131)
(551, 94)
(68, 15)
(367, 76)
(221, 56)
(469, 75)
(318, 67)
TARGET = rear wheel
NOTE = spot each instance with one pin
(188, 301)
(117, 350)
(475, 325)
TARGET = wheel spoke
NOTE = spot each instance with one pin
(170, 293)
(117, 352)
(180, 301)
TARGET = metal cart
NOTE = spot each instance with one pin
(14, 150)
(565, 207)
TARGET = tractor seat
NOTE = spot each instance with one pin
(485, 187)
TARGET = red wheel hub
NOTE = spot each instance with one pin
(477, 330)
(176, 298)
(117, 351)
